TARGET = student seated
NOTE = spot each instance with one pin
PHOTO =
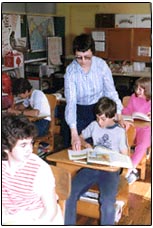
(35, 103)
(104, 132)
(28, 184)
(140, 101)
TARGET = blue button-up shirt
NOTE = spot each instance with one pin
(86, 88)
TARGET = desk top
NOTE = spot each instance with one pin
(141, 123)
(62, 158)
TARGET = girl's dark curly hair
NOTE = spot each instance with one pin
(13, 129)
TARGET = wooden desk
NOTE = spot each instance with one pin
(61, 158)
(141, 123)
(88, 208)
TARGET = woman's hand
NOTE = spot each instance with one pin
(75, 140)
(123, 123)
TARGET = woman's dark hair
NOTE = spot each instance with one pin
(21, 85)
(144, 83)
(83, 43)
(13, 129)
(106, 106)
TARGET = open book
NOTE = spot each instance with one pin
(136, 115)
(101, 155)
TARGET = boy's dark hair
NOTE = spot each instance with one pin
(144, 83)
(15, 128)
(21, 85)
(83, 43)
(106, 106)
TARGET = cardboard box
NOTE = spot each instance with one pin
(13, 59)
(125, 21)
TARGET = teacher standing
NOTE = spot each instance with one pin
(87, 79)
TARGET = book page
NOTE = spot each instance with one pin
(127, 118)
(75, 155)
(141, 116)
(121, 160)
(108, 157)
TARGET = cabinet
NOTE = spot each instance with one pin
(119, 44)
(141, 49)
(130, 44)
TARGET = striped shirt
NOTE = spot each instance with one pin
(22, 189)
(86, 88)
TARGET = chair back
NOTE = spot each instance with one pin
(52, 102)
(63, 185)
(125, 100)
(49, 137)
(131, 133)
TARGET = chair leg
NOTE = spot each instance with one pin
(35, 147)
(143, 172)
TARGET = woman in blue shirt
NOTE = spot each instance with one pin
(87, 79)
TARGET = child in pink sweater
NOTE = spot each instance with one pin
(140, 101)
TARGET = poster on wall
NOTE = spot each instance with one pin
(39, 29)
(10, 24)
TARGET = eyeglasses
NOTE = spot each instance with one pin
(80, 58)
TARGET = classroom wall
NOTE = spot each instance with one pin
(81, 15)
(34, 8)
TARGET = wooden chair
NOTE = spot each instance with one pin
(53, 129)
(91, 209)
(143, 163)
(63, 185)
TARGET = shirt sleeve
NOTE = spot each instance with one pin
(26, 103)
(71, 97)
(45, 180)
(86, 133)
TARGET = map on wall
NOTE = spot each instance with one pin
(39, 29)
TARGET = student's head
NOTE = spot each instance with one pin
(143, 88)
(21, 86)
(105, 109)
(17, 137)
(83, 49)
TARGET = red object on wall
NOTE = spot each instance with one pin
(6, 83)
(7, 97)
(13, 60)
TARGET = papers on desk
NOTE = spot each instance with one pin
(101, 155)
(43, 115)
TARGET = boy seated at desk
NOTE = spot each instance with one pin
(35, 103)
(105, 132)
